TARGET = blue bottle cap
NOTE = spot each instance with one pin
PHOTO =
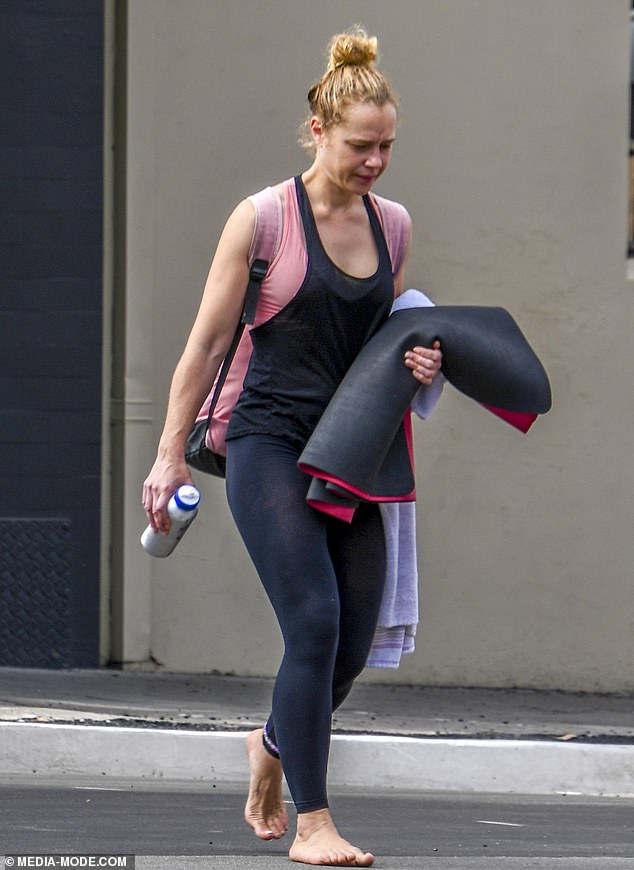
(187, 497)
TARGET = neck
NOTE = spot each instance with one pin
(322, 191)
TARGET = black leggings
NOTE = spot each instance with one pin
(324, 579)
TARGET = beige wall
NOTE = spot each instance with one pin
(512, 161)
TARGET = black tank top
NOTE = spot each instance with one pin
(301, 354)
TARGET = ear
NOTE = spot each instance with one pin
(316, 128)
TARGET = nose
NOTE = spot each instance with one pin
(374, 160)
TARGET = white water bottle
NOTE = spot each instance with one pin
(182, 509)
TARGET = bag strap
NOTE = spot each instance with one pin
(266, 238)
(267, 231)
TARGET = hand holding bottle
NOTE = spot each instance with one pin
(182, 509)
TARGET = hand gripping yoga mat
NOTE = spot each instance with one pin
(361, 447)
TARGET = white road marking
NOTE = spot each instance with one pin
(506, 824)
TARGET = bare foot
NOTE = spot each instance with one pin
(264, 811)
(318, 842)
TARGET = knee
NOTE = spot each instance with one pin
(315, 635)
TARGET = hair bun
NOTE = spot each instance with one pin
(352, 49)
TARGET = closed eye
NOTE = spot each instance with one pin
(363, 146)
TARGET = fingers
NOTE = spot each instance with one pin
(155, 506)
(424, 362)
(162, 481)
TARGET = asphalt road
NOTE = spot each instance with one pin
(448, 831)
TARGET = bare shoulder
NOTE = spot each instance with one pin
(243, 214)
(238, 230)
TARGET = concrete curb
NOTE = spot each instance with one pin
(368, 761)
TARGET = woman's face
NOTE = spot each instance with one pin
(355, 152)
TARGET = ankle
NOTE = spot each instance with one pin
(312, 821)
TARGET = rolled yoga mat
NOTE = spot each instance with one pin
(361, 446)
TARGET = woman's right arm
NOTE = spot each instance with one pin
(208, 342)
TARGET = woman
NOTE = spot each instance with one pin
(328, 289)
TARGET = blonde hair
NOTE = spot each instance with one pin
(350, 77)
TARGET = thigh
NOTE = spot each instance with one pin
(285, 537)
(358, 554)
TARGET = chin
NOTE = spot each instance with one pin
(365, 183)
